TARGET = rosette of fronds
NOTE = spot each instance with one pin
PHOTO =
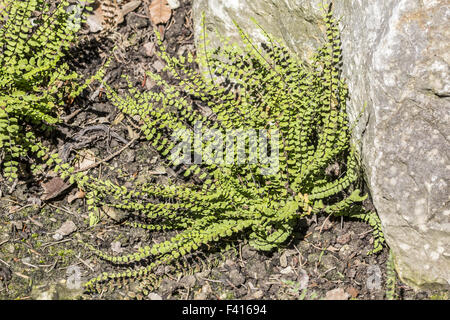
(34, 37)
(299, 107)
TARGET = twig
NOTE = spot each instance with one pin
(53, 266)
(85, 263)
(22, 275)
(29, 264)
(107, 158)
(323, 224)
(60, 208)
(5, 263)
(52, 243)
(70, 116)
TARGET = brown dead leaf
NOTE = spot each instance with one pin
(353, 292)
(54, 188)
(118, 119)
(132, 134)
(95, 20)
(87, 158)
(78, 195)
(160, 11)
(149, 48)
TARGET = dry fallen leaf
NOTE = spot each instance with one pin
(118, 119)
(54, 188)
(78, 195)
(86, 159)
(149, 48)
(160, 11)
(132, 134)
(95, 20)
(353, 292)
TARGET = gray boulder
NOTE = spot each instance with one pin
(396, 61)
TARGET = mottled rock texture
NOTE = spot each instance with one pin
(396, 61)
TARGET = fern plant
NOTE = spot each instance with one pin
(34, 37)
(391, 278)
(267, 89)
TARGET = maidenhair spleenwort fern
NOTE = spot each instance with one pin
(246, 87)
(391, 278)
(34, 37)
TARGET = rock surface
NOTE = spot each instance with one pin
(396, 61)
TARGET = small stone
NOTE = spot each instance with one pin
(67, 228)
(256, 269)
(236, 278)
(173, 4)
(343, 239)
(158, 65)
(116, 247)
(94, 21)
(206, 288)
(328, 261)
(10, 248)
(303, 279)
(345, 251)
(247, 252)
(283, 260)
(353, 292)
(200, 296)
(258, 294)
(229, 263)
(154, 296)
(287, 270)
(137, 22)
(188, 281)
(337, 294)
(149, 48)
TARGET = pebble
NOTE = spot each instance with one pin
(188, 281)
(158, 65)
(116, 247)
(236, 278)
(154, 296)
(149, 49)
(258, 294)
(303, 279)
(94, 22)
(137, 22)
(345, 251)
(337, 294)
(173, 4)
(344, 239)
(283, 260)
(247, 252)
(287, 270)
(67, 228)
(200, 296)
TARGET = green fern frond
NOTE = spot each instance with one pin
(34, 38)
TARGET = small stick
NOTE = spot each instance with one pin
(5, 263)
(107, 158)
